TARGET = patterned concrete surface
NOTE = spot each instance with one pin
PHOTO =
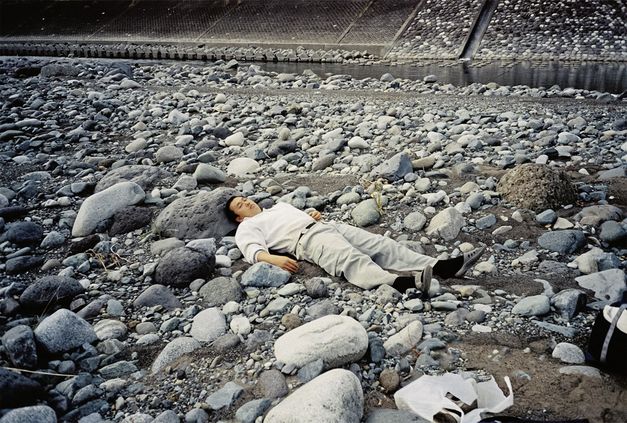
(326, 23)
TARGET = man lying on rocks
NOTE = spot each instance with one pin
(340, 249)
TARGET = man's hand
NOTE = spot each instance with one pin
(315, 214)
(283, 262)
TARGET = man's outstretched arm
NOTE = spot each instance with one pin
(283, 262)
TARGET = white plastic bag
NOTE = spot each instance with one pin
(426, 397)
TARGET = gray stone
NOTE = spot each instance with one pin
(333, 397)
(59, 69)
(53, 240)
(110, 329)
(535, 305)
(105, 204)
(568, 332)
(446, 224)
(19, 345)
(144, 176)
(415, 221)
(198, 216)
(366, 213)
(225, 396)
(272, 384)
(129, 219)
(547, 217)
(486, 222)
(168, 416)
(175, 349)
(117, 369)
(196, 415)
(158, 295)
(595, 215)
(63, 331)
(249, 412)
(168, 153)
(563, 242)
(568, 353)
(220, 291)
(613, 233)
(25, 233)
(537, 187)
(264, 275)
(337, 340)
(208, 325)
(316, 288)
(387, 294)
(34, 414)
(394, 168)
(179, 267)
(607, 285)
(22, 264)
(403, 341)
(310, 370)
(207, 174)
(568, 302)
(49, 291)
(323, 308)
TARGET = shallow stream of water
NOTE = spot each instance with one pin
(607, 77)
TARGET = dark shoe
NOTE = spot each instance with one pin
(470, 258)
(422, 279)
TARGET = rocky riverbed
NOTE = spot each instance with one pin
(124, 298)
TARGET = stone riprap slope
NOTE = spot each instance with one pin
(437, 31)
(122, 291)
(567, 29)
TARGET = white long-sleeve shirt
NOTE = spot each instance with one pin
(277, 228)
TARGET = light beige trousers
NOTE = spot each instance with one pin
(358, 255)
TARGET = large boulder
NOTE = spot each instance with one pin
(337, 340)
(49, 291)
(63, 331)
(537, 187)
(179, 267)
(393, 168)
(198, 216)
(105, 204)
(332, 397)
(144, 176)
(607, 285)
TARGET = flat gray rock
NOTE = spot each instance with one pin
(333, 397)
(607, 285)
(264, 275)
(220, 291)
(337, 340)
(198, 216)
(225, 396)
(63, 331)
(564, 242)
(175, 349)
(158, 295)
(535, 305)
(403, 341)
(393, 168)
(105, 204)
(249, 412)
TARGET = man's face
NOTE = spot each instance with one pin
(243, 207)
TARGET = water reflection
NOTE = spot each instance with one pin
(608, 77)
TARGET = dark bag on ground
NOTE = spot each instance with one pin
(607, 347)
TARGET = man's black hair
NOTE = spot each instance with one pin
(230, 214)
